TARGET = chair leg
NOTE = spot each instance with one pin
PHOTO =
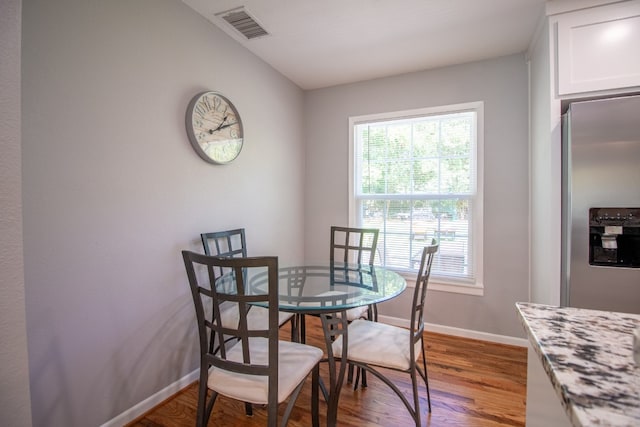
(294, 328)
(272, 412)
(315, 385)
(209, 409)
(426, 376)
(416, 397)
(292, 401)
(202, 401)
(248, 409)
(358, 370)
(364, 378)
(372, 313)
(350, 374)
(302, 327)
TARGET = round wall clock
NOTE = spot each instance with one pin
(214, 128)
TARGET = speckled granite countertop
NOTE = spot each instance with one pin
(588, 356)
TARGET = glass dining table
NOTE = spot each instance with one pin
(325, 289)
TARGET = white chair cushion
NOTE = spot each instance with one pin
(258, 317)
(294, 364)
(379, 344)
(356, 313)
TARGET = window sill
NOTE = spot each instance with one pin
(441, 285)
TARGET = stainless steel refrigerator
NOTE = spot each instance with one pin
(601, 204)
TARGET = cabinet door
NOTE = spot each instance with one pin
(599, 48)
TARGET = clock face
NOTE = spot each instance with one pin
(214, 128)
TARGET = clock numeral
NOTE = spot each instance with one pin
(205, 103)
(199, 109)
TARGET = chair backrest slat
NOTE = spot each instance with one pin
(353, 245)
(229, 243)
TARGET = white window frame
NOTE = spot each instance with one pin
(438, 283)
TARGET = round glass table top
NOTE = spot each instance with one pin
(317, 288)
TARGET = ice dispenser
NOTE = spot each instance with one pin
(614, 237)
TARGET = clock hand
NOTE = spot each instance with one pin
(220, 126)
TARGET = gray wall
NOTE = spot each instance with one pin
(15, 408)
(112, 192)
(502, 85)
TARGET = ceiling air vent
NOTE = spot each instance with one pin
(244, 23)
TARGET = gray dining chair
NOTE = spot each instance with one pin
(233, 244)
(373, 346)
(256, 366)
(354, 245)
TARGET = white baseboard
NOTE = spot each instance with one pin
(144, 406)
(458, 332)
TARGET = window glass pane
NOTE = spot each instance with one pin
(375, 137)
(373, 177)
(399, 177)
(371, 211)
(395, 246)
(399, 141)
(372, 147)
(425, 139)
(426, 176)
(456, 136)
(456, 176)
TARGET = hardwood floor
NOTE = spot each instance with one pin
(472, 383)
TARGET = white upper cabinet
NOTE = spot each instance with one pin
(599, 48)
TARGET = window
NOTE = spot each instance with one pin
(417, 175)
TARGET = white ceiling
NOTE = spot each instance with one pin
(321, 43)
